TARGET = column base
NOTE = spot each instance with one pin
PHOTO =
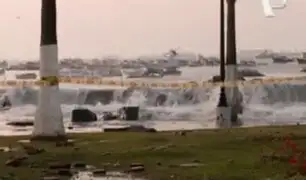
(223, 115)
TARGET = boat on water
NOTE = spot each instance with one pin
(247, 63)
(171, 71)
(251, 63)
(5, 108)
(25, 76)
(265, 54)
(31, 65)
(301, 60)
(133, 72)
(212, 61)
(195, 64)
(76, 73)
(282, 59)
(2, 71)
(162, 68)
(154, 72)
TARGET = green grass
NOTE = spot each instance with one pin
(225, 154)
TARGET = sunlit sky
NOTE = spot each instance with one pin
(95, 28)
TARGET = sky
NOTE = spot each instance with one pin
(96, 28)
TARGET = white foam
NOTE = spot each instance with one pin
(199, 116)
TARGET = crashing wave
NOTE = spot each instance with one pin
(264, 94)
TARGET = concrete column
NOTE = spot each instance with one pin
(233, 95)
(48, 119)
(223, 111)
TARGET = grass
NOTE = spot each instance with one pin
(224, 154)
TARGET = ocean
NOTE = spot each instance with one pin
(272, 104)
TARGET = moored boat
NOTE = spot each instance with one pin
(26, 76)
(301, 60)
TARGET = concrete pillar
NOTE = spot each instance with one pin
(233, 95)
(48, 119)
(223, 111)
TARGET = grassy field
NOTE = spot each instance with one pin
(246, 154)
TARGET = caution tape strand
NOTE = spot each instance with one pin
(160, 84)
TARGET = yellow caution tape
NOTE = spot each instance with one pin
(159, 84)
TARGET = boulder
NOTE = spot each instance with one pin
(129, 113)
(83, 115)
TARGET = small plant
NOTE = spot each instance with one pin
(296, 155)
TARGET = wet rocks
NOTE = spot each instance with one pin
(162, 147)
(59, 165)
(99, 172)
(15, 161)
(7, 149)
(24, 141)
(106, 154)
(64, 165)
(136, 167)
(31, 150)
(51, 178)
(78, 165)
(64, 172)
(61, 168)
(107, 175)
(136, 164)
(65, 143)
(180, 133)
(191, 165)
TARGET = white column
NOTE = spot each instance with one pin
(224, 115)
(48, 118)
(234, 98)
(231, 75)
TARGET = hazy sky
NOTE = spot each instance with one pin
(94, 28)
